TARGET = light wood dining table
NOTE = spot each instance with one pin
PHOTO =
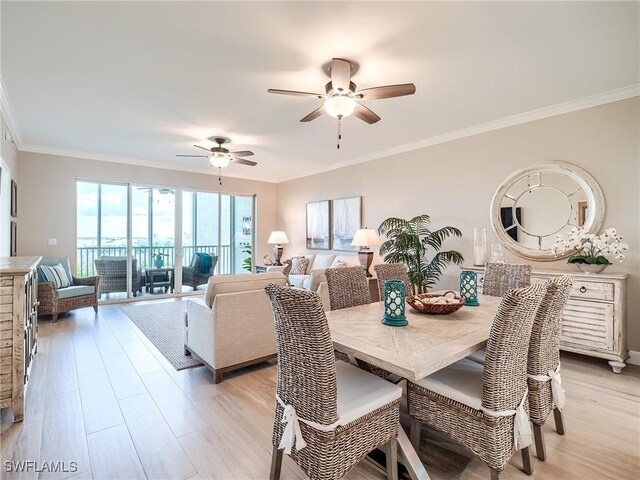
(427, 344)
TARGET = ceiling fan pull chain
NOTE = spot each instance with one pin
(339, 131)
(220, 175)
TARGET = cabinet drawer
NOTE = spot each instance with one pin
(587, 324)
(593, 290)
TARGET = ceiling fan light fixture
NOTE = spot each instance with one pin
(340, 106)
(219, 160)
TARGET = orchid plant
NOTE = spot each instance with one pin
(590, 248)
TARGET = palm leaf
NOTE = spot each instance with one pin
(436, 239)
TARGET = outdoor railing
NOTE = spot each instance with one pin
(86, 256)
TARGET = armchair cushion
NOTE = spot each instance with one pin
(64, 261)
(76, 291)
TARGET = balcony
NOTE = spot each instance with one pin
(85, 265)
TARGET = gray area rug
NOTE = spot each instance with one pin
(162, 323)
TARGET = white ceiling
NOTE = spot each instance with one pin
(144, 81)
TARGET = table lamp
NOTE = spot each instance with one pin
(277, 238)
(365, 238)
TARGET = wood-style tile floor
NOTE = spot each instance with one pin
(102, 396)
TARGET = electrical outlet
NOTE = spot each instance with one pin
(52, 242)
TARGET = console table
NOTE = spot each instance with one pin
(18, 329)
(593, 322)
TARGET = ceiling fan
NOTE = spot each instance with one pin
(220, 157)
(341, 97)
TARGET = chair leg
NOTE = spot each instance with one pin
(541, 450)
(526, 461)
(391, 451)
(54, 317)
(495, 475)
(276, 463)
(559, 418)
(414, 433)
(95, 308)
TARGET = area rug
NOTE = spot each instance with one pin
(162, 323)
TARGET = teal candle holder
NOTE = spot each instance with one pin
(469, 288)
(394, 304)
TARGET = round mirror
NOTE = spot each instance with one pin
(534, 204)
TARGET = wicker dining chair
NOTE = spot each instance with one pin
(483, 407)
(392, 271)
(499, 278)
(329, 415)
(543, 372)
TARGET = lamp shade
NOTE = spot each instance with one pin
(365, 238)
(277, 237)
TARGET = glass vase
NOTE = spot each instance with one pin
(479, 246)
(394, 304)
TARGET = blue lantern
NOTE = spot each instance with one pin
(394, 304)
(469, 288)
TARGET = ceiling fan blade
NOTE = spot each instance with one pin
(195, 156)
(242, 161)
(387, 91)
(242, 153)
(313, 115)
(340, 74)
(203, 148)
(295, 93)
(363, 113)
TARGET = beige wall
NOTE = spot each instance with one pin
(454, 182)
(48, 204)
(9, 171)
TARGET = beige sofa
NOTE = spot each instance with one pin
(232, 327)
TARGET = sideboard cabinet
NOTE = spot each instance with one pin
(593, 322)
(18, 329)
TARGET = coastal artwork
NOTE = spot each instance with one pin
(318, 234)
(347, 219)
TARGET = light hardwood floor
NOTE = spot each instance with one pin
(101, 395)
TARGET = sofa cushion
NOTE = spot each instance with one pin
(299, 266)
(321, 261)
(64, 261)
(76, 291)
(55, 274)
(345, 261)
(298, 281)
(219, 284)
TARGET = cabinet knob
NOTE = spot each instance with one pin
(583, 289)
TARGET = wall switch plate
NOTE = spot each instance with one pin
(52, 242)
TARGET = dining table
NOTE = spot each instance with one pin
(427, 344)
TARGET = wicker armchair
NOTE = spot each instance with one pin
(484, 407)
(113, 275)
(312, 388)
(54, 301)
(499, 278)
(193, 277)
(392, 271)
(543, 372)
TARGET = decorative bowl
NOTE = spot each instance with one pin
(435, 308)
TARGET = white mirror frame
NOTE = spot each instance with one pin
(593, 192)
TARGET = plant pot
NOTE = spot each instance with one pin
(592, 268)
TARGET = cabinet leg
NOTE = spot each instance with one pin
(617, 365)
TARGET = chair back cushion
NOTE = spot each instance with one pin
(348, 287)
(306, 362)
(504, 379)
(64, 261)
(221, 284)
(55, 274)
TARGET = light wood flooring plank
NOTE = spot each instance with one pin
(87, 355)
(175, 406)
(141, 358)
(113, 455)
(61, 366)
(160, 453)
(19, 444)
(63, 435)
(124, 378)
(100, 408)
(36, 390)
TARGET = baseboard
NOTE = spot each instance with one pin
(634, 357)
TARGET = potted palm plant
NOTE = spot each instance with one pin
(412, 242)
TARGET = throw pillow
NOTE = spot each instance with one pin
(56, 275)
(299, 266)
(342, 264)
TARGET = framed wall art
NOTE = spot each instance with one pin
(14, 199)
(346, 220)
(318, 229)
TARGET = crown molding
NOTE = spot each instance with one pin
(99, 157)
(539, 114)
(9, 115)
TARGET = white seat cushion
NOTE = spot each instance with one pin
(360, 392)
(298, 280)
(478, 356)
(461, 382)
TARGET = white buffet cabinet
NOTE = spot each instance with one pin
(593, 322)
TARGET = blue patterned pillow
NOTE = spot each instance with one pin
(56, 275)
